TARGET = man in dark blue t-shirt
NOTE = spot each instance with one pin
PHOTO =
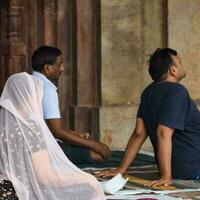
(170, 118)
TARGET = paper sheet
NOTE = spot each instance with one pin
(138, 197)
(115, 184)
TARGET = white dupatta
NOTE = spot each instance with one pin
(29, 155)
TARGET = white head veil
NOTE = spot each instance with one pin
(29, 155)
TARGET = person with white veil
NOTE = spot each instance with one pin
(29, 155)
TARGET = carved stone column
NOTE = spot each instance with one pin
(86, 72)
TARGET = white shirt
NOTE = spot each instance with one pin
(50, 101)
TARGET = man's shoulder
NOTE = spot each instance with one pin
(48, 85)
(164, 88)
(178, 88)
(165, 85)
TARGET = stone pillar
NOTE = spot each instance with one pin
(50, 22)
(86, 76)
(65, 13)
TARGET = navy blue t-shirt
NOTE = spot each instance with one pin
(169, 104)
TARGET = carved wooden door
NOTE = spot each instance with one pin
(19, 36)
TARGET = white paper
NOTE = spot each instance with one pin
(115, 184)
(162, 192)
(129, 192)
(136, 197)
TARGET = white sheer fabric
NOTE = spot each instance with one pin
(29, 155)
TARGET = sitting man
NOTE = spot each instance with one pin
(47, 64)
(170, 118)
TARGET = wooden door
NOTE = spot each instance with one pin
(19, 35)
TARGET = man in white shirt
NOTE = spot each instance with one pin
(47, 64)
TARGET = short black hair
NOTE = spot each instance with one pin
(159, 63)
(44, 55)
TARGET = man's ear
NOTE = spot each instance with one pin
(46, 69)
(172, 70)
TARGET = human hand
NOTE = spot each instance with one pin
(103, 149)
(85, 135)
(160, 182)
(82, 135)
(107, 173)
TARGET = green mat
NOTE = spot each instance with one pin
(141, 160)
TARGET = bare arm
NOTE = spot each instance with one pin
(164, 145)
(73, 138)
(134, 144)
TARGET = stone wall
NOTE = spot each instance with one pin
(131, 31)
(184, 35)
